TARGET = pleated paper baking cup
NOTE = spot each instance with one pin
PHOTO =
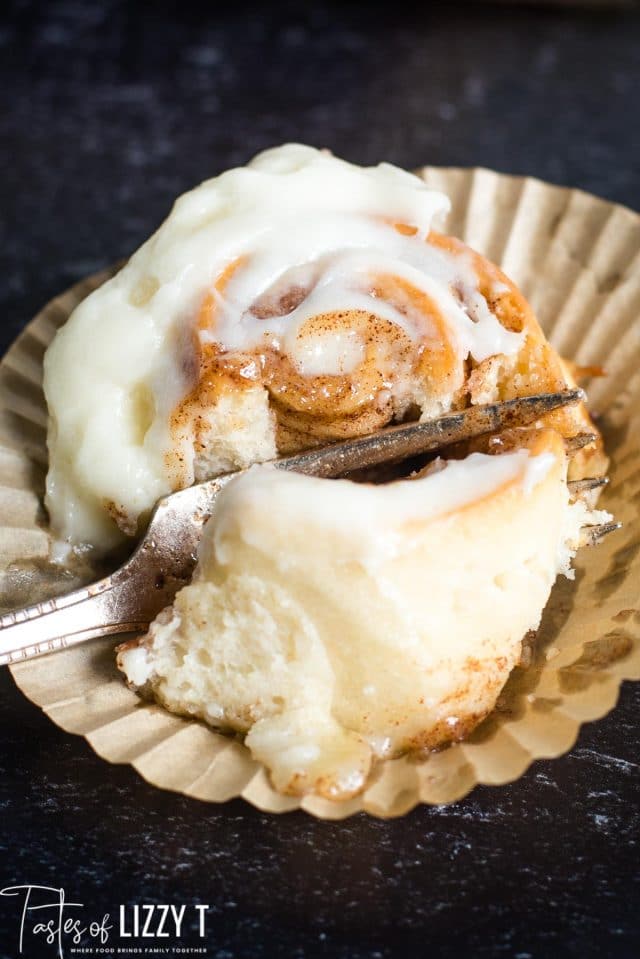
(577, 259)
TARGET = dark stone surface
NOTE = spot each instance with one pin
(108, 111)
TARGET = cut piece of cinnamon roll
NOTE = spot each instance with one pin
(334, 624)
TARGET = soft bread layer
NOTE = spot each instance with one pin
(293, 302)
(333, 623)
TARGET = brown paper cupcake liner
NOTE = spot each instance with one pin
(577, 259)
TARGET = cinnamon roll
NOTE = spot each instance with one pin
(293, 302)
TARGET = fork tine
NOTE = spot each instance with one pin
(586, 485)
(592, 535)
(578, 442)
(406, 440)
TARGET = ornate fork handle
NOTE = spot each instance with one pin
(129, 598)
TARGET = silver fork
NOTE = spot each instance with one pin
(163, 562)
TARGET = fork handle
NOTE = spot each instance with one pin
(126, 601)
(131, 597)
(98, 610)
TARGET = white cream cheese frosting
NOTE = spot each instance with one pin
(297, 269)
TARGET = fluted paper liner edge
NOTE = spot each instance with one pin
(577, 259)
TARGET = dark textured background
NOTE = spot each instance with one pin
(108, 111)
